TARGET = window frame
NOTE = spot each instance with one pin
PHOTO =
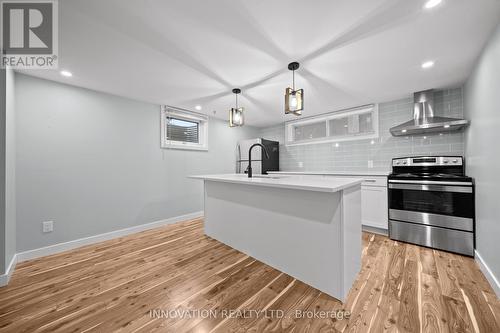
(201, 119)
(290, 126)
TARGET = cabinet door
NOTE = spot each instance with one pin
(374, 206)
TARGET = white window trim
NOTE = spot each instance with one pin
(201, 119)
(326, 118)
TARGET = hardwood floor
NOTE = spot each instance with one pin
(120, 286)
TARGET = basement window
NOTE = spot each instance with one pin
(181, 129)
(346, 125)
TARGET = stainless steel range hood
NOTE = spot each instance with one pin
(424, 120)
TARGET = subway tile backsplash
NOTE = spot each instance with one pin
(357, 155)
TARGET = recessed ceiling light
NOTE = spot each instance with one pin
(403, 131)
(198, 107)
(427, 64)
(66, 73)
(446, 126)
(432, 3)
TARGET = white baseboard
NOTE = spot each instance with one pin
(4, 278)
(61, 247)
(488, 273)
(375, 230)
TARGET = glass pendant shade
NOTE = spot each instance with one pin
(236, 117)
(294, 101)
(236, 114)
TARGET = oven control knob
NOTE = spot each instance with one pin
(445, 161)
(397, 163)
(455, 161)
(404, 162)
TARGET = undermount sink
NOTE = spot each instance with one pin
(261, 176)
(267, 176)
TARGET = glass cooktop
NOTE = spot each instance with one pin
(430, 176)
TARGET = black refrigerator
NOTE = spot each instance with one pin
(260, 165)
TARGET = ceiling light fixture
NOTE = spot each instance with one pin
(432, 3)
(66, 73)
(427, 64)
(236, 114)
(198, 107)
(294, 99)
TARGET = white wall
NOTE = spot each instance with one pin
(10, 168)
(91, 162)
(482, 107)
(3, 112)
(7, 170)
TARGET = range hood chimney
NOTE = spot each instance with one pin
(424, 120)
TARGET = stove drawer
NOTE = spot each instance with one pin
(437, 220)
(435, 237)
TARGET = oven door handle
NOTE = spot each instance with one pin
(430, 187)
(430, 182)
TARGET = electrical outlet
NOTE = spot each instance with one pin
(48, 226)
(370, 164)
(301, 164)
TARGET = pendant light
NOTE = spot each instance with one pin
(294, 99)
(236, 114)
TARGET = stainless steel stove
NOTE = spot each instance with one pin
(431, 203)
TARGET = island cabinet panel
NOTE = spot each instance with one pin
(351, 229)
(314, 236)
(374, 208)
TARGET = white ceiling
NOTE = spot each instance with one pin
(187, 52)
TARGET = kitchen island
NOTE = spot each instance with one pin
(307, 228)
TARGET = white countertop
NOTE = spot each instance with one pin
(290, 182)
(339, 173)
